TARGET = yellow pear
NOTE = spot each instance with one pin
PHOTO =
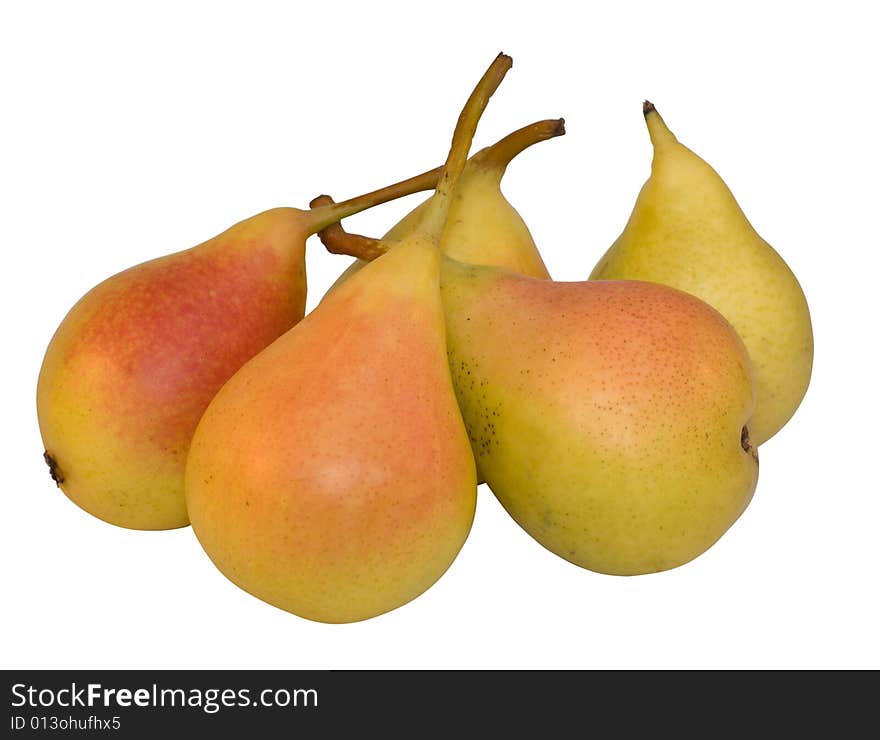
(687, 230)
(332, 475)
(609, 418)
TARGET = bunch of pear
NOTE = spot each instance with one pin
(329, 464)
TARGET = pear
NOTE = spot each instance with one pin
(483, 228)
(133, 365)
(687, 230)
(321, 479)
(609, 418)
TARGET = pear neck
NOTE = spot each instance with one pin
(657, 128)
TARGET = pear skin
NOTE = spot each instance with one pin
(136, 361)
(609, 418)
(321, 479)
(687, 230)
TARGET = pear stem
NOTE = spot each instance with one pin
(443, 178)
(500, 154)
(321, 217)
(435, 219)
(338, 241)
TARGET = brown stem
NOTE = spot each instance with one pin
(500, 154)
(320, 217)
(338, 241)
(435, 219)
(496, 156)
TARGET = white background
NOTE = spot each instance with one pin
(130, 133)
